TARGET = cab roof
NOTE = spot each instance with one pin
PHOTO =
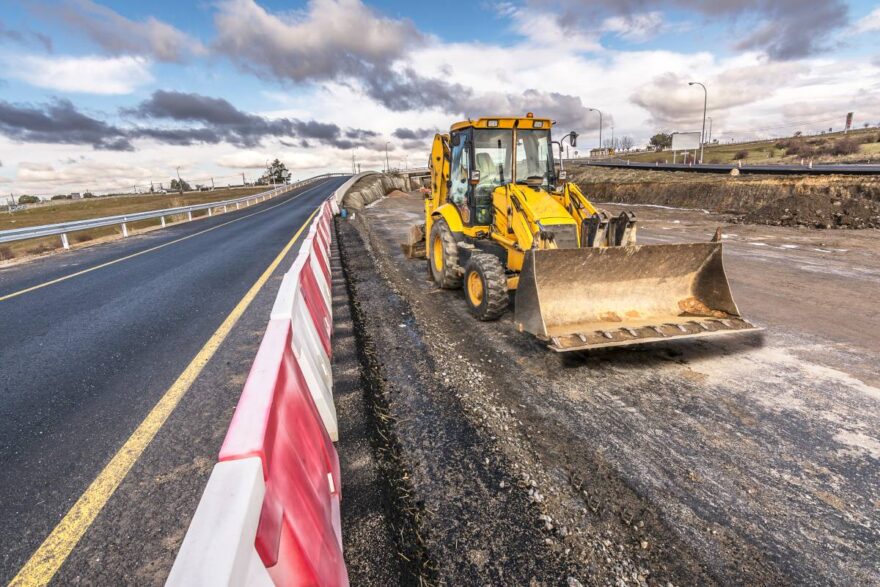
(504, 122)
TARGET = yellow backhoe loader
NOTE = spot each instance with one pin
(501, 217)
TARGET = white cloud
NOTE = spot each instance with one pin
(243, 160)
(297, 160)
(635, 27)
(637, 90)
(327, 39)
(540, 26)
(88, 75)
(122, 36)
(869, 23)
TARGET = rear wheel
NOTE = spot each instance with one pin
(443, 256)
(485, 286)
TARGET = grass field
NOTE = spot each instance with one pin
(70, 210)
(769, 152)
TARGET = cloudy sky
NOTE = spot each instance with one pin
(101, 95)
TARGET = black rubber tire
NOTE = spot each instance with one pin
(448, 274)
(494, 300)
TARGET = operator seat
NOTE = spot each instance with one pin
(483, 193)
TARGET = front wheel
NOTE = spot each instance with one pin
(443, 256)
(485, 286)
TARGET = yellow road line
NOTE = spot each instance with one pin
(144, 252)
(49, 557)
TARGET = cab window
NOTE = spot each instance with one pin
(458, 173)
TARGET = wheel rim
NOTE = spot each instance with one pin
(438, 254)
(475, 288)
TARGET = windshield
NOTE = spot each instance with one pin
(492, 148)
(533, 158)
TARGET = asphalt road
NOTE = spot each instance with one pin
(83, 360)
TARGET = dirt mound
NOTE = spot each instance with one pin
(818, 211)
(818, 202)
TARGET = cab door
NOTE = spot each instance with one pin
(460, 187)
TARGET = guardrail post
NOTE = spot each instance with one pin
(64, 241)
(163, 221)
(210, 212)
(124, 230)
(224, 209)
(189, 215)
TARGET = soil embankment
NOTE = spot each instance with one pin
(815, 202)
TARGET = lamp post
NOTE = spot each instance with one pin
(387, 166)
(600, 124)
(709, 136)
(703, 132)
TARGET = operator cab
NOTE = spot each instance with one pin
(492, 152)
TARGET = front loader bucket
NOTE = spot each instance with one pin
(591, 298)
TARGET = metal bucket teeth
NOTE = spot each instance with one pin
(664, 332)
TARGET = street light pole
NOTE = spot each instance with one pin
(387, 166)
(709, 137)
(705, 101)
(600, 124)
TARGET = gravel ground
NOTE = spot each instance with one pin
(753, 460)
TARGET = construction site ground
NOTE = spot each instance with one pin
(733, 460)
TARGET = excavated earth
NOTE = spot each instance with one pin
(812, 201)
(752, 460)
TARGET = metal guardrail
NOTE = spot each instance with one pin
(63, 228)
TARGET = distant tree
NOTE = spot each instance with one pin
(61, 197)
(741, 155)
(661, 140)
(276, 172)
(867, 124)
(28, 199)
(88, 195)
(626, 143)
(798, 133)
(181, 186)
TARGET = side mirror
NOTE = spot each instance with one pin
(475, 176)
(562, 175)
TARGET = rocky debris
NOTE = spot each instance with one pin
(835, 210)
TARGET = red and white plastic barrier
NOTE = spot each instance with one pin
(283, 523)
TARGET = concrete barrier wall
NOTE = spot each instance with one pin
(369, 188)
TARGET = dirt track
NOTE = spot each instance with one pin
(738, 461)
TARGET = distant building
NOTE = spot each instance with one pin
(606, 152)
